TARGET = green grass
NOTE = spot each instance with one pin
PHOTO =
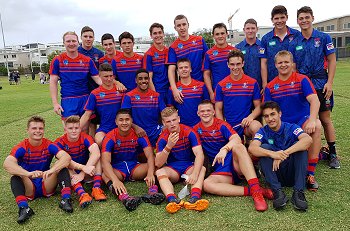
(329, 208)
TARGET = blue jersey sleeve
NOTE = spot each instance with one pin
(107, 145)
(329, 47)
(219, 97)
(194, 139)
(55, 66)
(225, 131)
(18, 152)
(148, 62)
(126, 102)
(262, 49)
(267, 94)
(205, 47)
(170, 98)
(205, 92)
(259, 135)
(296, 131)
(88, 141)
(172, 59)
(93, 69)
(90, 103)
(54, 149)
(114, 68)
(161, 145)
(161, 103)
(256, 93)
(143, 142)
(307, 87)
(206, 62)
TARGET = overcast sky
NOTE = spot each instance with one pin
(43, 21)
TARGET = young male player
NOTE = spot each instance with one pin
(85, 161)
(299, 104)
(120, 149)
(32, 177)
(281, 148)
(179, 152)
(108, 43)
(228, 158)
(309, 51)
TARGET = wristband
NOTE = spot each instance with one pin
(166, 148)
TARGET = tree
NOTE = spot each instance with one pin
(169, 38)
(52, 55)
(207, 36)
(45, 67)
(3, 71)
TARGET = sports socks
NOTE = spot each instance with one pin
(196, 193)
(254, 185)
(63, 179)
(123, 196)
(153, 189)
(171, 197)
(332, 150)
(312, 166)
(18, 191)
(97, 181)
(79, 190)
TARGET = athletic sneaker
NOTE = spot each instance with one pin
(174, 205)
(334, 163)
(267, 193)
(85, 200)
(24, 214)
(66, 205)
(154, 199)
(311, 183)
(280, 199)
(259, 201)
(196, 204)
(299, 201)
(131, 203)
(98, 194)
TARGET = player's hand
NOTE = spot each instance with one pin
(140, 132)
(90, 170)
(150, 180)
(212, 97)
(47, 174)
(119, 187)
(192, 178)
(58, 109)
(178, 96)
(172, 139)
(120, 86)
(76, 178)
(310, 126)
(263, 86)
(220, 157)
(276, 165)
(279, 155)
(247, 121)
(327, 89)
(35, 174)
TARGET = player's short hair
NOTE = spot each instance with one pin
(72, 120)
(125, 35)
(87, 29)
(141, 70)
(279, 9)
(251, 21)
(124, 111)
(105, 67)
(235, 53)
(106, 37)
(283, 53)
(70, 33)
(155, 25)
(205, 102)
(37, 119)
(219, 25)
(168, 111)
(179, 17)
(271, 105)
(183, 60)
(305, 9)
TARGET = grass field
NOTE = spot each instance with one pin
(329, 208)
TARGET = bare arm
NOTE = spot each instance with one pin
(218, 110)
(151, 84)
(263, 65)
(208, 84)
(85, 119)
(12, 167)
(171, 75)
(162, 156)
(63, 160)
(303, 144)
(53, 93)
(150, 180)
(198, 164)
(97, 79)
(254, 114)
(310, 125)
(331, 72)
(107, 167)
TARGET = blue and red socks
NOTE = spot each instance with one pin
(97, 181)
(196, 193)
(153, 189)
(22, 201)
(312, 166)
(79, 190)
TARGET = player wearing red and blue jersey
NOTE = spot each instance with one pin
(32, 177)
(108, 44)
(236, 95)
(299, 104)
(120, 149)
(185, 46)
(145, 105)
(126, 64)
(193, 92)
(179, 152)
(215, 60)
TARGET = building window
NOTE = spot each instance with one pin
(10, 64)
(13, 56)
(330, 28)
(321, 28)
(347, 41)
(339, 42)
(346, 25)
(6, 56)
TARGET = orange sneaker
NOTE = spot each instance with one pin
(85, 200)
(98, 194)
(174, 206)
(267, 193)
(259, 201)
(196, 204)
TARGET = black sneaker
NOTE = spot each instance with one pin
(24, 214)
(311, 183)
(334, 163)
(154, 199)
(131, 203)
(299, 201)
(279, 199)
(66, 205)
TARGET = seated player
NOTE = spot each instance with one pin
(82, 166)
(32, 176)
(119, 161)
(229, 159)
(179, 151)
(281, 148)
(105, 101)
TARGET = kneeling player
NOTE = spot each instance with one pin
(179, 151)
(120, 149)
(32, 177)
(79, 145)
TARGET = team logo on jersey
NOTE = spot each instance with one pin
(200, 131)
(138, 61)
(137, 97)
(291, 38)
(258, 136)
(123, 61)
(292, 84)
(105, 61)
(298, 48)
(102, 94)
(180, 89)
(262, 51)
(244, 52)
(270, 141)
(297, 131)
(96, 57)
(81, 62)
(156, 55)
(194, 42)
(132, 141)
(119, 142)
(272, 43)
(151, 97)
(194, 88)
(228, 85)
(276, 86)
(66, 147)
(65, 62)
(317, 42)
(215, 53)
(180, 45)
(245, 85)
(213, 132)
(330, 46)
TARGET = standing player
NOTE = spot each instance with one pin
(145, 105)
(154, 61)
(126, 64)
(119, 162)
(72, 69)
(185, 46)
(309, 51)
(105, 101)
(193, 92)
(215, 60)
(179, 151)
(250, 47)
(236, 95)
(85, 161)
(108, 43)
(299, 104)
(29, 164)
(229, 159)
(281, 148)
(276, 40)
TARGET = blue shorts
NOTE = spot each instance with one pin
(39, 189)
(73, 106)
(106, 129)
(126, 168)
(303, 120)
(180, 167)
(227, 170)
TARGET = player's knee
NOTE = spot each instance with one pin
(254, 127)
(160, 172)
